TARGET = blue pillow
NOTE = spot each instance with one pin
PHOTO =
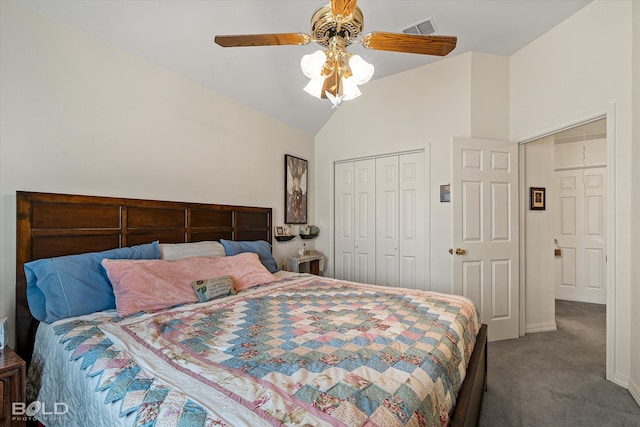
(74, 285)
(260, 247)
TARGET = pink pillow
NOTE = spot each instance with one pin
(141, 285)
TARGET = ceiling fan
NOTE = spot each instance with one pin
(334, 72)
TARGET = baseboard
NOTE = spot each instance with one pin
(541, 327)
(634, 389)
(621, 380)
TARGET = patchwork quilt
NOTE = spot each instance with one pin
(312, 351)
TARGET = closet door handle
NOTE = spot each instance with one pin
(460, 251)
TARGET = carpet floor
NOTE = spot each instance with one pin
(557, 378)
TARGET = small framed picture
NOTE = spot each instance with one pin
(280, 231)
(445, 193)
(536, 198)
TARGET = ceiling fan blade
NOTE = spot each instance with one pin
(343, 7)
(410, 43)
(262, 39)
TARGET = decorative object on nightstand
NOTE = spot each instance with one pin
(313, 259)
(283, 233)
(12, 385)
(309, 231)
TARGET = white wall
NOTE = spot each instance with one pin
(592, 152)
(539, 235)
(422, 108)
(80, 116)
(570, 74)
(490, 97)
(634, 384)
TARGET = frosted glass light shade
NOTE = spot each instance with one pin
(350, 89)
(312, 64)
(362, 71)
(314, 87)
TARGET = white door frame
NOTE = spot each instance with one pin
(607, 113)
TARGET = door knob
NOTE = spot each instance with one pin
(460, 251)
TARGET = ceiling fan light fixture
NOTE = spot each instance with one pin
(334, 73)
(362, 71)
(312, 64)
(350, 89)
(314, 87)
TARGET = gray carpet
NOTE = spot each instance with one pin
(556, 378)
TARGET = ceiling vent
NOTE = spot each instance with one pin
(427, 26)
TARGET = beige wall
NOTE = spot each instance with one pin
(422, 108)
(571, 74)
(74, 107)
(539, 234)
(489, 97)
(80, 116)
(634, 385)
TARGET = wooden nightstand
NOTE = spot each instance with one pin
(12, 385)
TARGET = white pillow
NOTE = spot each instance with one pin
(176, 251)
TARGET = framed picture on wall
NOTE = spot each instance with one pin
(295, 190)
(536, 198)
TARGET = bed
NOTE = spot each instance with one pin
(293, 350)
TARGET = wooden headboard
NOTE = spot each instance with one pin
(50, 225)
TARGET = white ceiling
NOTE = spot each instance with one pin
(178, 34)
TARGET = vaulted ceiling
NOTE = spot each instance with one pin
(178, 34)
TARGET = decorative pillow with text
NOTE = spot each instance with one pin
(209, 289)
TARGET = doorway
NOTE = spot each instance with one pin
(567, 253)
(580, 166)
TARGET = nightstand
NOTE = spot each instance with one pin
(12, 385)
(314, 261)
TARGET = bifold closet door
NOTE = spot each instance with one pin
(387, 224)
(413, 221)
(355, 220)
(400, 221)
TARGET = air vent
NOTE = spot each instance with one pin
(427, 26)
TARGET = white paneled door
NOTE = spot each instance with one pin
(364, 221)
(412, 216)
(380, 220)
(355, 221)
(484, 199)
(387, 227)
(580, 231)
(344, 221)
(400, 221)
